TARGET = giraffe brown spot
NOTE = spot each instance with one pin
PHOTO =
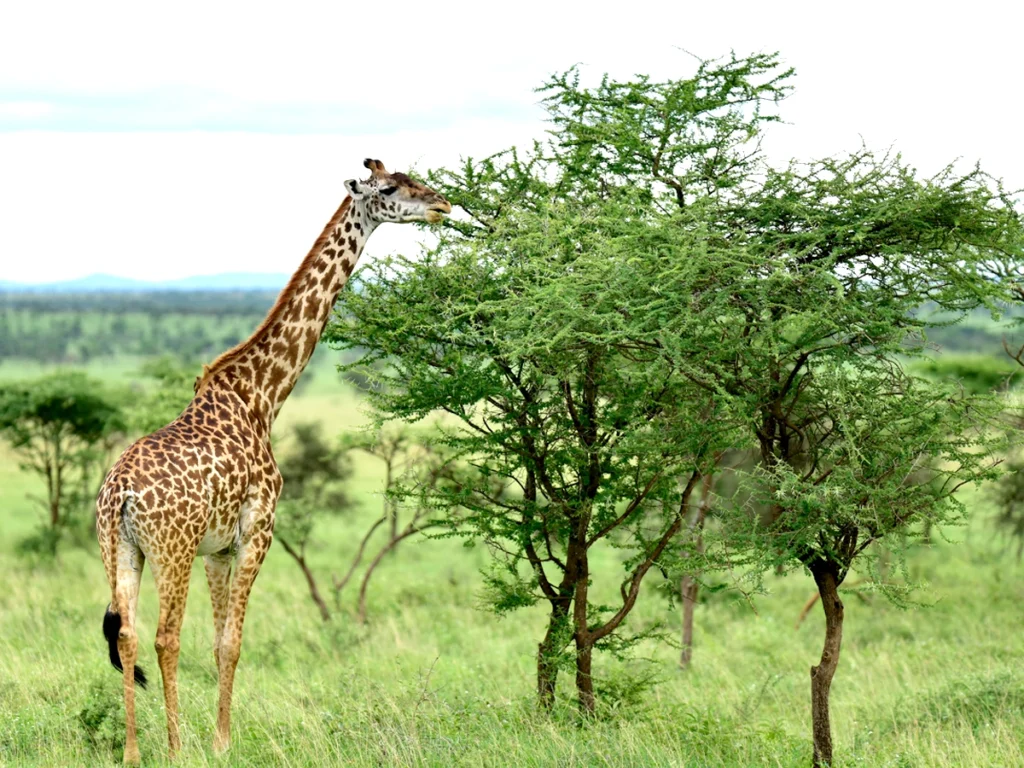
(352, 244)
(276, 376)
(347, 266)
(259, 372)
(312, 308)
(348, 226)
(294, 312)
(312, 337)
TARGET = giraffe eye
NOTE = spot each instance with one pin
(389, 190)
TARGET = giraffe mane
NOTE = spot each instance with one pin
(286, 294)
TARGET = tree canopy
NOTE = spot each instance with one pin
(61, 426)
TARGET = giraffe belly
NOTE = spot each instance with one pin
(218, 540)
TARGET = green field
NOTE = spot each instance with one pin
(435, 680)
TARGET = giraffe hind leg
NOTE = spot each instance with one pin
(172, 580)
(129, 561)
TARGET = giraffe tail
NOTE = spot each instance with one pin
(111, 626)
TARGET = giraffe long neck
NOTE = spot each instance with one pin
(263, 369)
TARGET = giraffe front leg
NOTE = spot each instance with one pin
(218, 577)
(253, 548)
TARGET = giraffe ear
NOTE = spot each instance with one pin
(356, 189)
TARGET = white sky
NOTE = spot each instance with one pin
(158, 141)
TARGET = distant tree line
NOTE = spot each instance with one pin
(216, 303)
(78, 336)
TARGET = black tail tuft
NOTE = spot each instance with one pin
(111, 627)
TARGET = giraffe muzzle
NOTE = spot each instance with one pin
(437, 211)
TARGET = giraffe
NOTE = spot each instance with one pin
(207, 484)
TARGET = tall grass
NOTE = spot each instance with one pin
(435, 681)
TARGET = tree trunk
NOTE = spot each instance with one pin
(55, 492)
(584, 644)
(547, 663)
(578, 575)
(688, 586)
(339, 584)
(826, 576)
(688, 592)
(584, 678)
(410, 529)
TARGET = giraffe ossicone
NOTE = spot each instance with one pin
(207, 483)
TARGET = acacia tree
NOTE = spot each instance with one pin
(852, 448)
(63, 427)
(539, 325)
(314, 473)
(578, 440)
(1009, 494)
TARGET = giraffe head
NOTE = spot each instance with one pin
(395, 197)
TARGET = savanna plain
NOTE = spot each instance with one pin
(433, 679)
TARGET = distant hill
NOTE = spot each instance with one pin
(227, 281)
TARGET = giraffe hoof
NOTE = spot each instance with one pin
(132, 756)
(221, 745)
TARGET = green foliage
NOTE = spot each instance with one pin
(101, 720)
(63, 427)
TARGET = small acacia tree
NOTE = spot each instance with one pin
(1009, 494)
(416, 466)
(63, 427)
(314, 472)
(854, 450)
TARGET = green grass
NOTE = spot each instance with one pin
(435, 681)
